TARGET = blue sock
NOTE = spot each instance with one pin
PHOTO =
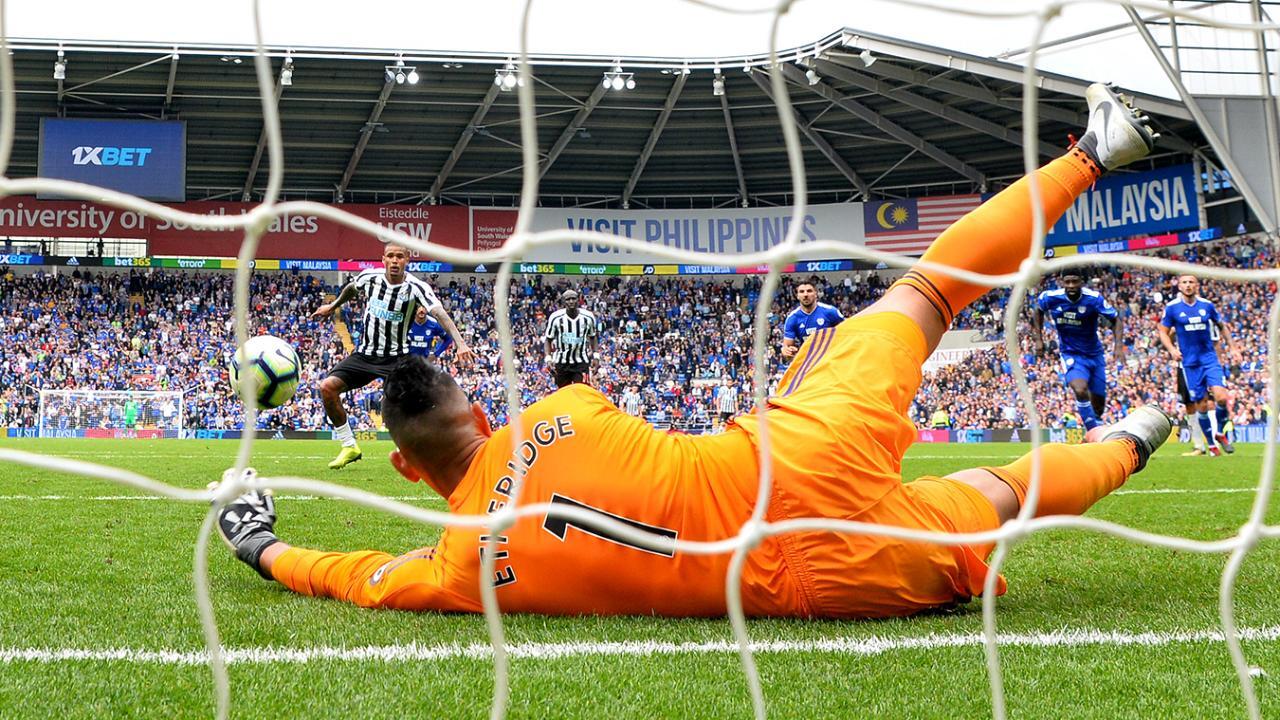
(1207, 427)
(1223, 417)
(1087, 415)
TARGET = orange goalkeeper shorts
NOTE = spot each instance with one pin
(838, 429)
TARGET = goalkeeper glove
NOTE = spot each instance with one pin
(246, 525)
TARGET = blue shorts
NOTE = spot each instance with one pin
(1200, 378)
(1090, 368)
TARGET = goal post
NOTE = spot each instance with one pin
(111, 413)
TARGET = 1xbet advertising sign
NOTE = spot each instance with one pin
(147, 158)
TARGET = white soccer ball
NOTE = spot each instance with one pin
(272, 366)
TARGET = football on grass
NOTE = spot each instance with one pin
(271, 365)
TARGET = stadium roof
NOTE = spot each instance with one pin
(885, 118)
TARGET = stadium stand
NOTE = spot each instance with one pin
(673, 338)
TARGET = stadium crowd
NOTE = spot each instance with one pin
(679, 344)
(980, 392)
(151, 330)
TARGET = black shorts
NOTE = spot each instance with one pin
(1184, 393)
(358, 369)
(569, 373)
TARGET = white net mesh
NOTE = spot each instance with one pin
(756, 529)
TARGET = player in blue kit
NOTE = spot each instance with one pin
(1075, 311)
(1198, 327)
(807, 319)
(427, 337)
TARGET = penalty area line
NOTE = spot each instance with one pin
(414, 652)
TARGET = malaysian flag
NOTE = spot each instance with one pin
(909, 226)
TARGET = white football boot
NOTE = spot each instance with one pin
(1148, 427)
(1118, 133)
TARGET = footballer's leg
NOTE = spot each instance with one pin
(1079, 380)
(995, 238)
(1198, 444)
(1221, 411)
(1098, 387)
(1198, 390)
(1190, 413)
(1074, 477)
(347, 375)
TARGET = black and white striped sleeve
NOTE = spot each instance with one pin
(552, 330)
(366, 278)
(424, 295)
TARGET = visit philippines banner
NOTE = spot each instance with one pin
(728, 231)
(1127, 204)
(296, 235)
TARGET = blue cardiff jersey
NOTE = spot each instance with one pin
(428, 338)
(1076, 320)
(1196, 324)
(801, 324)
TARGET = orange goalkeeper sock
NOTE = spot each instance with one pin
(1072, 477)
(995, 238)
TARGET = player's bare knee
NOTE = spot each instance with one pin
(997, 491)
(331, 389)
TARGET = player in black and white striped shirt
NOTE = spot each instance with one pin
(392, 296)
(570, 341)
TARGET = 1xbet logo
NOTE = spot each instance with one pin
(110, 156)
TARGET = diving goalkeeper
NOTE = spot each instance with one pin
(838, 429)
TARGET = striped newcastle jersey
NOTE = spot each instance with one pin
(632, 402)
(568, 336)
(727, 399)
(389, 310)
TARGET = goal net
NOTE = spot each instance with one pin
(111, 413)
(523, 241)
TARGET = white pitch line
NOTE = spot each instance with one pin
(1184, 491)
(413, 652)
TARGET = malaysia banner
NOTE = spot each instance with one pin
(909, 226)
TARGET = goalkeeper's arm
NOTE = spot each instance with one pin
(363, 577)
(247, 525)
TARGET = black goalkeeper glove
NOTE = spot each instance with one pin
(246, 525)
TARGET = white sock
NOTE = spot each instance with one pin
(343, 432)
(1213, 424)
(1197, 435)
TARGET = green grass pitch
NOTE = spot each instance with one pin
(83, 568)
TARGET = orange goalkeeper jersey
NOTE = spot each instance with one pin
(837, 440)
(581, 451)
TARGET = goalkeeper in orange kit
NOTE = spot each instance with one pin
(838, 430)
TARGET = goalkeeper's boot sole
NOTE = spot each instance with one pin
(1148, 427)
(346, 456)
